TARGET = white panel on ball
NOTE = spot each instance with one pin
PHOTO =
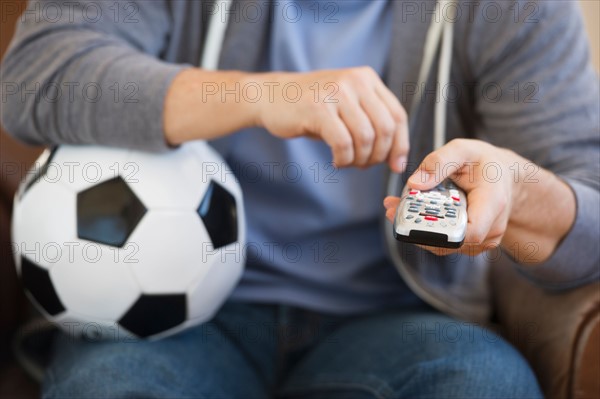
(176, 179)
(80, 167)
(205, 297)
(213, 166)
(172, 248)
(96, 281)
(45, 231)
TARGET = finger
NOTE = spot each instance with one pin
(390, 214)
(398, 157)
(484, 208)
(389, 98)
(400, 144)
(439, 251)
(383, 123)
(490, 243)
(391, 202)
(338, 138)
(391, 205)
(363, 134)
(442, 163)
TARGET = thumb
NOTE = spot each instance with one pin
(423, 179)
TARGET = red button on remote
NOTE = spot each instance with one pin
(413, 192)
(456, 198)
(431, 218)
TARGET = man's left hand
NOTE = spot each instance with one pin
(490, 179)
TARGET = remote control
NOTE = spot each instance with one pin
(437, 217)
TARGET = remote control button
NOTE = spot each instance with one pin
(450, 215)
(452, 223)
(454, 193)
(428, 206)
(429, 224)
(456, 203)
(443, 224)
(410, 197)
(432, 218)
(413, 192)
(431, 214)
(433, 202)
(418, 220)
(413, 210)
(419, 199)
(409, 216)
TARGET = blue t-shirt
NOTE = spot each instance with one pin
(314, 234)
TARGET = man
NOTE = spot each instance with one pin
(300, 82)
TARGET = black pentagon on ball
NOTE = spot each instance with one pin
(37, 281)
(218, 211)
(108, 212)
(40, 172)
(155, 313)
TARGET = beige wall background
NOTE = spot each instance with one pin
(591, 13)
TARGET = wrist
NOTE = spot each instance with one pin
(517, 169)
(269, 87)
(203, 105)
(256, 95)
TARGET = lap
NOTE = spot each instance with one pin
(207, 361)
(410, 354)
(392, 354)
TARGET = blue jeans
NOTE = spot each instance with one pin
(272, 351)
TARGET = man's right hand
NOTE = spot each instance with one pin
(350, 109)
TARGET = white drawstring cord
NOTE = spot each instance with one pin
(440, 29)
(441, 106)
(215, 35)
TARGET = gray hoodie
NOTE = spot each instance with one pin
(521, 78)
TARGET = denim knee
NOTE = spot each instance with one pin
(485, 366)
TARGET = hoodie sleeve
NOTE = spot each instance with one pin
(537, 93)
(88, 72)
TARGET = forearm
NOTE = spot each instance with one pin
(364, 124)
(543, 211)
(206, 105)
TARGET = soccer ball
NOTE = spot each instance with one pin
(120, 244)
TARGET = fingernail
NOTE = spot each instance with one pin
(420, 177)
